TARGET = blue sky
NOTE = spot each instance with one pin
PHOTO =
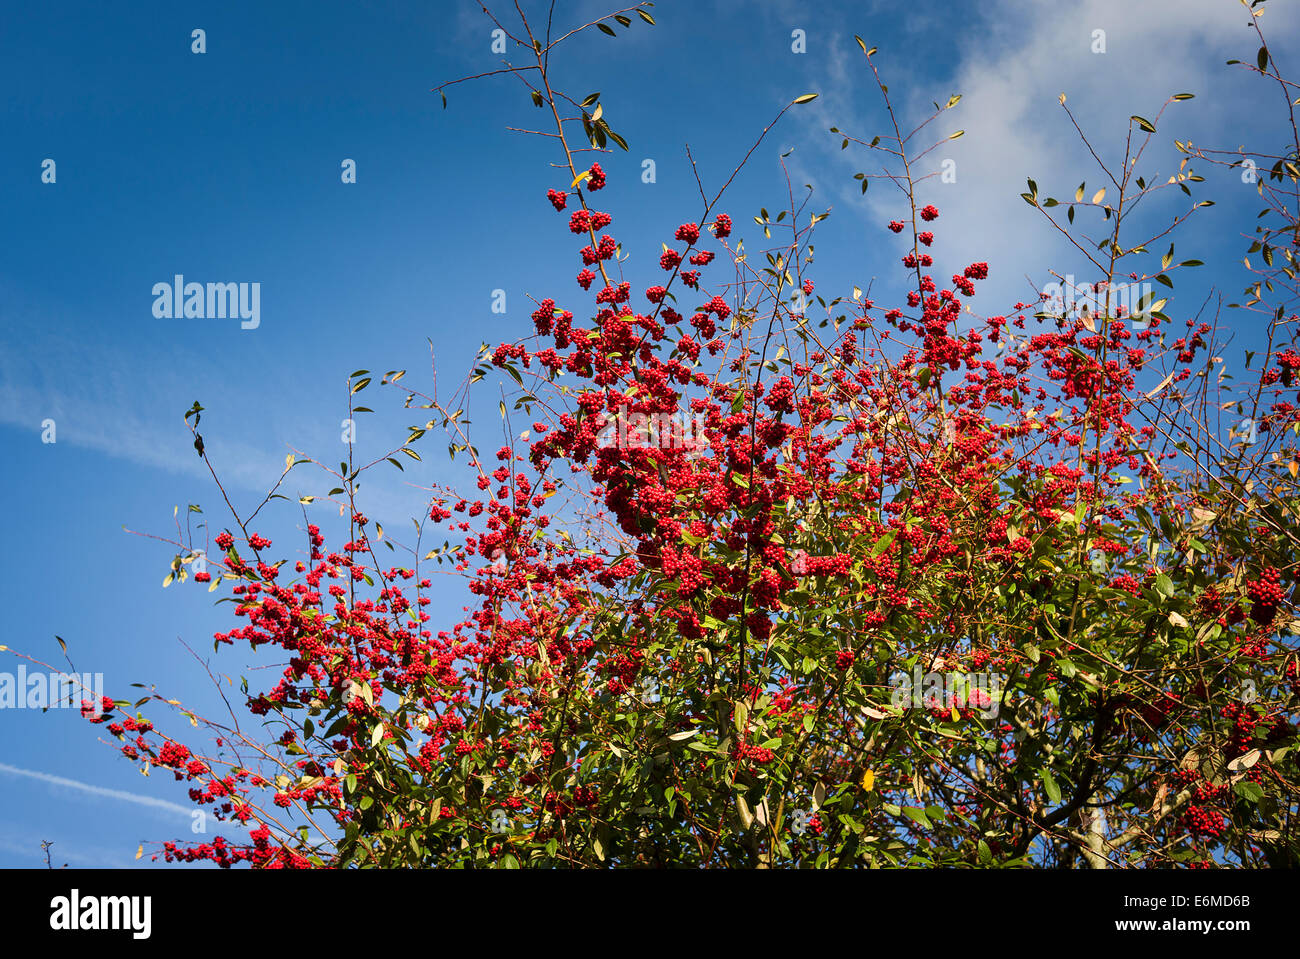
(225, 167)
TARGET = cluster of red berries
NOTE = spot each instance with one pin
(1200, 821)
(1128, 584)
(106, 707)
(582, 221)
(754, 753)
(688, 233)
(1265, 594)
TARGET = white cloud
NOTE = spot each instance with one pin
(99, 791)
(1010, 64)
(104, 398)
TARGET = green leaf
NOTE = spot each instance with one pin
(917, 815)
(1164, 585)
(1251, 792)
(1049, 785)
(740, 717)
(614, 136)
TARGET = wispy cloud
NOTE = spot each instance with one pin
(99, 791)
(105, 397)
(1011, 72)
(98, 400)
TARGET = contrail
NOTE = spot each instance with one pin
(97, 790)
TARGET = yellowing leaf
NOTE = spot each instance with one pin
(580, 177)
(139, 853)
(1099, 195)
(1163, 383)
(868, 780)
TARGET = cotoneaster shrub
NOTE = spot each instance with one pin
(774, 580)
